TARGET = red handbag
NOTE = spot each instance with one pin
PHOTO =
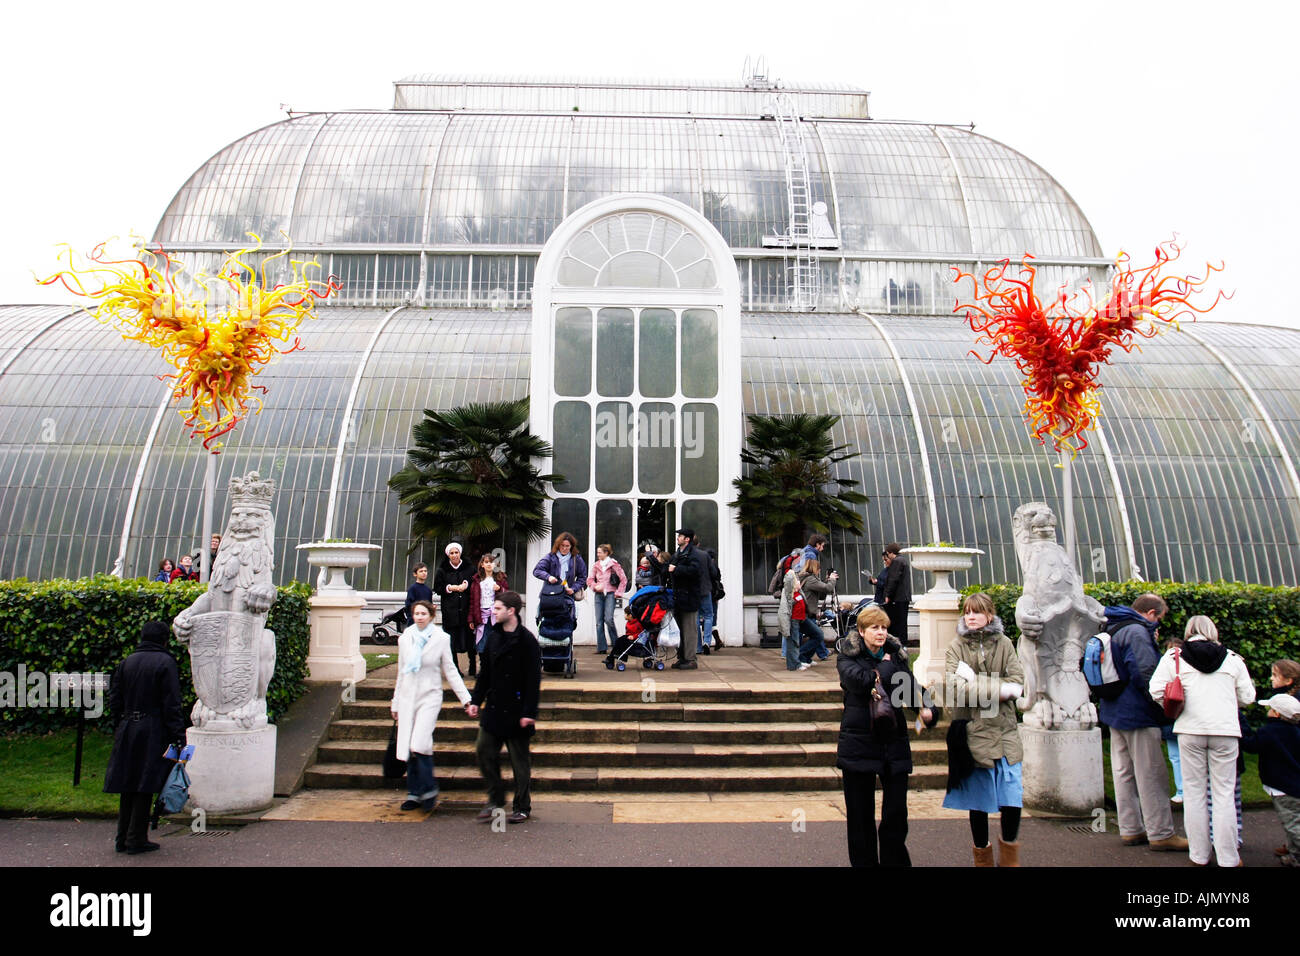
(1174, 698)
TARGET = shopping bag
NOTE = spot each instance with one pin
(669, 635)
(176, 791)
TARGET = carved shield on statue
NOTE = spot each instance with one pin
(223, 658)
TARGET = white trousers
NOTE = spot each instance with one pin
(1209, 765)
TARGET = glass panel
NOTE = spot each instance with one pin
(614, 447)
(658, 374)
(656, 474)
(614, 344)
(614, 528)
(641, 270)
(699, 449)
(572, 515)
(573, 446)
(702, 518)
(699, 353)
(572, 352)
(655, 520)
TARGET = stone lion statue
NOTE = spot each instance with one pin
(232, 653)
(1055, 619)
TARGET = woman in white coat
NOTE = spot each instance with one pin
(1215, 683)
(424, 658)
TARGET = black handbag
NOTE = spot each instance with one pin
(392, 766)
(882, 712)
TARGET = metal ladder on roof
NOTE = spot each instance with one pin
(804, 274)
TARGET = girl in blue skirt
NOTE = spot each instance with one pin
(983, 678)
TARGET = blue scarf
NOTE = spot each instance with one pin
(566, 562)
(419, 638)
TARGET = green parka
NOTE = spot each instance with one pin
(991, 655)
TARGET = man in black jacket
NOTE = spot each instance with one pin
(684, 572)
(898, 591)
(144, 698)
(508, 688)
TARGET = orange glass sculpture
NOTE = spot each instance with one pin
(1060, 348)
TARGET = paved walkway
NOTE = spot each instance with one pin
(578, 835)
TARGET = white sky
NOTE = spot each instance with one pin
(1157, 117)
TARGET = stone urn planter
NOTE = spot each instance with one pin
(335, 612)
(938, 607)
(334, 558)
(942, 562)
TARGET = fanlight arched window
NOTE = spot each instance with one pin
(636, 250)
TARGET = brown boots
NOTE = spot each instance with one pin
(1008, 854)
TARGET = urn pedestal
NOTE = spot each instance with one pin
(1063, 770)
(938, 608)
(335, 615)
(232, 771)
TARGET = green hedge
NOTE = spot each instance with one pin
(91, 624)
(1260, 623)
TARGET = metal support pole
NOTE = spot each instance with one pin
(1067, 505)
(209, 495)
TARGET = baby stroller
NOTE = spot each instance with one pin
(651, 610)
(844, 621)
(390, 628)
(556, 620)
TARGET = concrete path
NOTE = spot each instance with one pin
(576, 834)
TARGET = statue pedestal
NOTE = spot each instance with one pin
(939, 612)
(233, 771)
(1063, 770)
(335, 650)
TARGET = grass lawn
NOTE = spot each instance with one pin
(37, 778)
(378, 659)
(1252, 791)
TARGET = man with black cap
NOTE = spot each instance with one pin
(144, 698)
(684, 573)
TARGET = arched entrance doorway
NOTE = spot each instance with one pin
(636, 384)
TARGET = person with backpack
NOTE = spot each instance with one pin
(814, 589)
(1214, 682)
(608, 582)
(793, 560)
(719, 592)
(1137, 759)
(790, 614)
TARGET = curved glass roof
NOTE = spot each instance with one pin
(1206, 489)
(393, 181)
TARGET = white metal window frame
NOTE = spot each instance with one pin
(724, 299)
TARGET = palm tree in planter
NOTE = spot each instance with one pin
(470, 474)
(791, 487)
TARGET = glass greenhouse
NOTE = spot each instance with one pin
(649, 262)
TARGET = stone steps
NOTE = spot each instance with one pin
(618, 779)
(375, 689)
(633, 733)
(548, 711)
(551, 754)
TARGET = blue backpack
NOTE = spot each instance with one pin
(1099, 668)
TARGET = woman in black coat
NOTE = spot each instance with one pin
(876, 748)
(451, 585)
(144, 698)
